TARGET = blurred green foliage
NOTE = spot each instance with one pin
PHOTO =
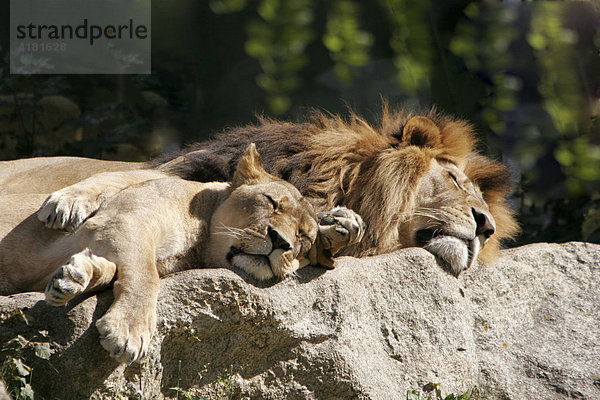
(347, 43)
(411, 42)
(278, 40)
(525, 73)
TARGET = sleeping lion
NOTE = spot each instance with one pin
(416, 180)
(159, 225)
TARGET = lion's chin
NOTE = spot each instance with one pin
(458, 254)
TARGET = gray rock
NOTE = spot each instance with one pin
(527, 327)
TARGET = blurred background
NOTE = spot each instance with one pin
(526, 74)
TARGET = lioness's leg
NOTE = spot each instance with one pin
(128, 325)
(69, 207)
(115, 242)
(83, 273)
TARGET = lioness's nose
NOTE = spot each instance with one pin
(277, 240)
(485, 227)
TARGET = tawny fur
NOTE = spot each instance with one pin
(372, 169)
(387, 172)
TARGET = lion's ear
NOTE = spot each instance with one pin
(422, 132)
(250, 169)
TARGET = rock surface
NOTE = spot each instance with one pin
(527, 327)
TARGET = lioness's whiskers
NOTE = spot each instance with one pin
(232, 232)
(239, 234)
(232, 235)
(231, 229)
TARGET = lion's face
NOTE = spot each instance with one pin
(451, 218)
(265, 226)
(416, 181)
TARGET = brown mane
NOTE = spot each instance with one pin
(372, 169)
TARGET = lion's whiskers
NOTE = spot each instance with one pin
(435, 214)
(427, 215)
(431, 226)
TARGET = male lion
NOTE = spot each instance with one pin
(416, 180)
(258, 223)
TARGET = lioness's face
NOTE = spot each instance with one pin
(265, 226)
(265, 229)
(452, 220)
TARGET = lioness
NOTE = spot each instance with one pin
(258, 223)
(417, 180)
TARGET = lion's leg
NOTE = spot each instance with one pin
(83, 273)
(67, 208)
(128, 325)
(338, 229)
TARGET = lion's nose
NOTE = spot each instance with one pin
(485, 227)
(277, 240)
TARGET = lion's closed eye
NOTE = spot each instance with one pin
(454, 179)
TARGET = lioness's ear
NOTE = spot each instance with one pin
(250, 169)
(421, 131)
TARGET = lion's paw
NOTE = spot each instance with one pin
(66, 209)
(126, 334)
(339, 228)
(70, 280)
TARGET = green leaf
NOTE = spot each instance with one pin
(279, 103)
(21, 368)
(20, 314)
(268, 9)
(19, 342)
(183, 392)
(43, 350)
(333, 43)
(537, 40)
(26, 392)
(413, 395)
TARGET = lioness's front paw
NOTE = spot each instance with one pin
(126, 334)
(66, 209)
(339, 228)
(70, 280)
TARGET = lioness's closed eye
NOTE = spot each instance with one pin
(258, 223)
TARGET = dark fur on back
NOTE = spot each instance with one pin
(372, 169)
(281, 145)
